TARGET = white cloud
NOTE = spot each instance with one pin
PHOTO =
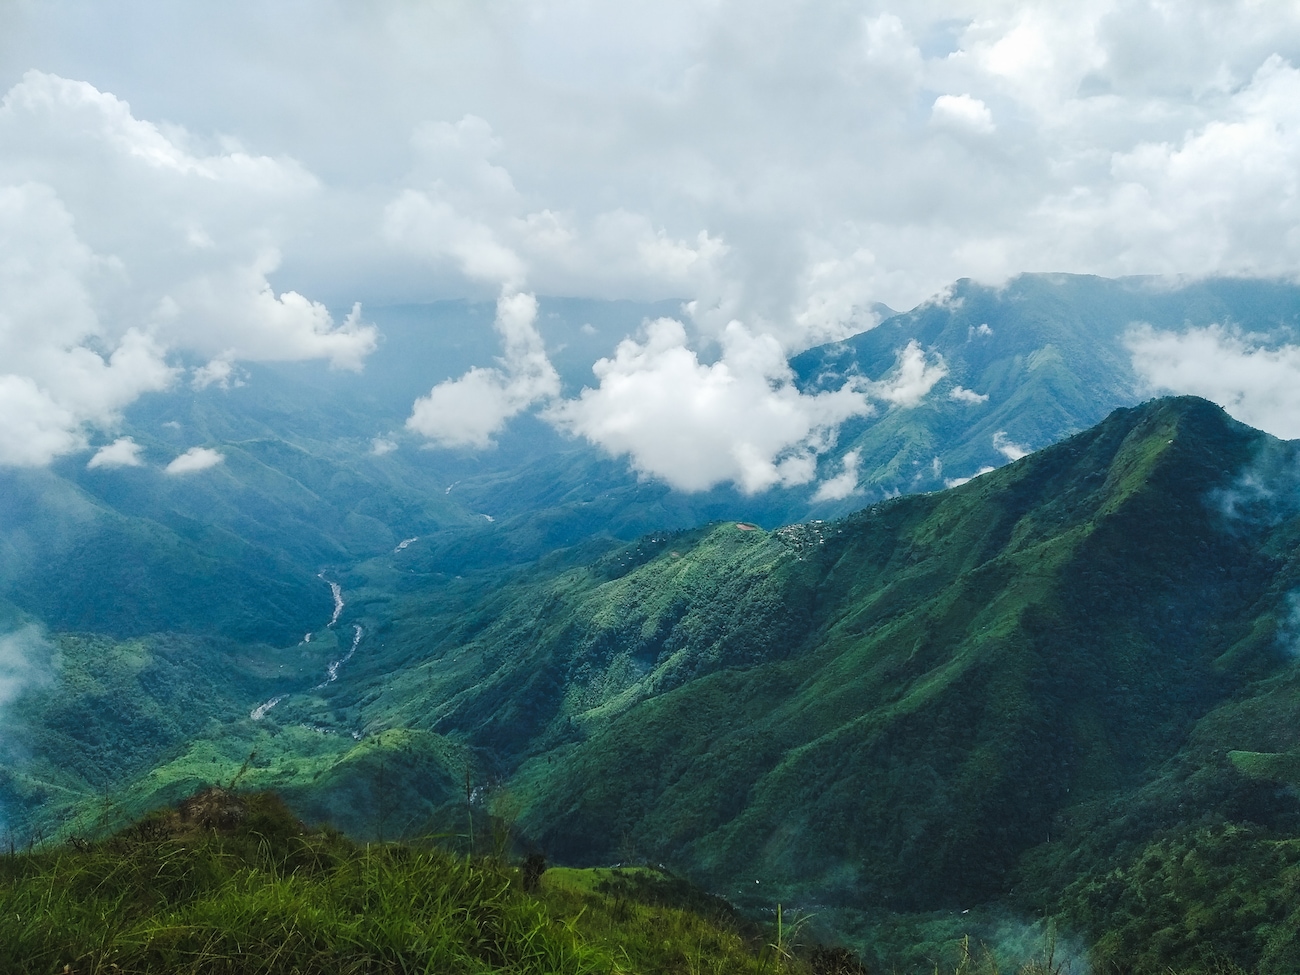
(696, 425)
(1220, 197)
(469, 411)
(835, 296)
(842, 484)
(961, 394)
(912, 378)
(953, 482)
(122, 452)
(218, 372)
(193, 460)
(380, 446)
(119, 244)
(52, 384)
(962, 113)
(1256, 384)
(785, 165)
(1008, 448)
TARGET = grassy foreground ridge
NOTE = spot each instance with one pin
(230, 883)
(235, 884)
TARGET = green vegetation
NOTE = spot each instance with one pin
(235, 884)
(1057, 698)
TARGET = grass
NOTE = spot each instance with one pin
(232, 884)
(942, 702)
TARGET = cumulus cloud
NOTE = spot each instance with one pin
(740, 419)
(52, 383)
(1219, 197)
(695, 425)
(380, 446)
(1257, 384)
(469, 411)
(122, 452)
(119, 244)
(842, 484)
(962, 113)
(193, 460)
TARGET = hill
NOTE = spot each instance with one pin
(1028, 363)
(316, 473)
(1037, 694)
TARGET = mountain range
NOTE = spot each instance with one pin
(1049, 692)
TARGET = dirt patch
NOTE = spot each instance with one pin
(213, 808)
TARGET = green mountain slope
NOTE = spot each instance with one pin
(236, 549)
(1040, 691)
(993, 692)
(1046, 351)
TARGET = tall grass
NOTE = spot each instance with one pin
(266, 900)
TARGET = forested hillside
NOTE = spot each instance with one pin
(1024, 694)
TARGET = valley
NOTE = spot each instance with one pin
(1018, 704)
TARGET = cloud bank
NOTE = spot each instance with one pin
(120, 244)
(1257, 384)
(784, 166)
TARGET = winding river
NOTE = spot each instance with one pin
(332, 671)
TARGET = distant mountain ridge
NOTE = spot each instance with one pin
(1046, 350)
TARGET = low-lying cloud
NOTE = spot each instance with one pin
(122, 452)
(1256, 383)
(194, 460)
(1008, 448)
(27, 661)
(471, 410)
(843, 484)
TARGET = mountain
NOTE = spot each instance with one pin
(1033, 695)
(1038, 693)
(317, 474)
(1028, 363)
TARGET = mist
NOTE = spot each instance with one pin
(27, 660)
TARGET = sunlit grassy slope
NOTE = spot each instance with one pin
(235, 885)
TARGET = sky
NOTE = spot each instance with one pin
(185, 187)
